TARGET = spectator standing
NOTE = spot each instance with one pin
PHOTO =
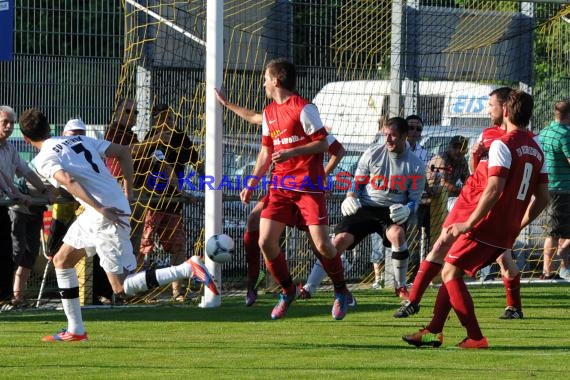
(120, 131)
(163, 225)
(27, 223)
(446, 174)
(555, 141)
(11, 164)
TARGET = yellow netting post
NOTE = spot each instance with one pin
(85, 274)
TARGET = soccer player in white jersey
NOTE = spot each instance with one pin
(75, 164)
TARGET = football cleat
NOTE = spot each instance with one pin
(350, 300)
(402, 292)
(564, 273)
(377, 285)
(201, 273)
(280, 310)
(408, 308)
(550, 276)
(304, 294)
(424, 338)
(250, 297)
(260, 278)
(469, 343)
(340, 306)
(511, 313)
(65, 336)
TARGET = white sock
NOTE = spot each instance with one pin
(167, 275)
(137, 283)
(315, 277)
(67, 279)
(400, 272)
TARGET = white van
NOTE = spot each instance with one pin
(351, 109)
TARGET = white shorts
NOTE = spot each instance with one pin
(97, 235)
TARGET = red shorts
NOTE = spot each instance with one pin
(162, 228)
(459, 213)
(295, 208)
(471, 255)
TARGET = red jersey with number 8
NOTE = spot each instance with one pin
(517, 156)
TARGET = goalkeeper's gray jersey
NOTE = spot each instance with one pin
(394, 178)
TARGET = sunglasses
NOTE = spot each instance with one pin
(419, 129)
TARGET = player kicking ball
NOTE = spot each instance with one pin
(74, 163)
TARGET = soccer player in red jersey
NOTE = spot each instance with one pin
(293, 140)
(515, 185)
(251, 234)
(433, 263)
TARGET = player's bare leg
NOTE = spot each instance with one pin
(549, 249)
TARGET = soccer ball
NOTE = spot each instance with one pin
(220, 248)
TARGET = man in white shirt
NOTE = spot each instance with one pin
(75, 164)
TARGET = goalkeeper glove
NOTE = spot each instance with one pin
(350, 206)
(399, 213)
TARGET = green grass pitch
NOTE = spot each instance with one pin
(236, 342)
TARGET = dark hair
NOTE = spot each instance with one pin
(34, 125)
(400, 123)
(415, 117)
(459, 141)
(501, 93)
(284, 71)
(519, 105)
(157, 109)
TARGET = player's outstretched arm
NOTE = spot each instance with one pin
(245, 113)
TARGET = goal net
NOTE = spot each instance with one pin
(359, 62)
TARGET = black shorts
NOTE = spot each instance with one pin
(559, 215)
(366, 221)
(26, 237)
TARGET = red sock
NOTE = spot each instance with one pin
(253, 252)
(513, 291)
(280, 270)
(334, 269)
(462, 303)
(440, 310)
(428, 270)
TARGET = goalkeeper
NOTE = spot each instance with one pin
(386, 190)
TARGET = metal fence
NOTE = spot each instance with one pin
(70, 59)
